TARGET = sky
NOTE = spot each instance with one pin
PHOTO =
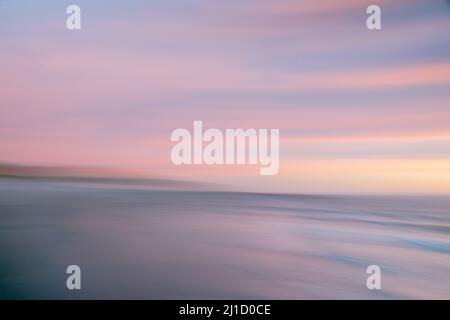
(359, 111)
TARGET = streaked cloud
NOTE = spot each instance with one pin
(111, 94)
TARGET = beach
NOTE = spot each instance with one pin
(174, 244)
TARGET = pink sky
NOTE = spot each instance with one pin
(358, 111)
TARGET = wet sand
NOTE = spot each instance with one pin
(162, 244)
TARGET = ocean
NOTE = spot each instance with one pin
(138, 243)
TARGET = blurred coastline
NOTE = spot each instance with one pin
(111, 177)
